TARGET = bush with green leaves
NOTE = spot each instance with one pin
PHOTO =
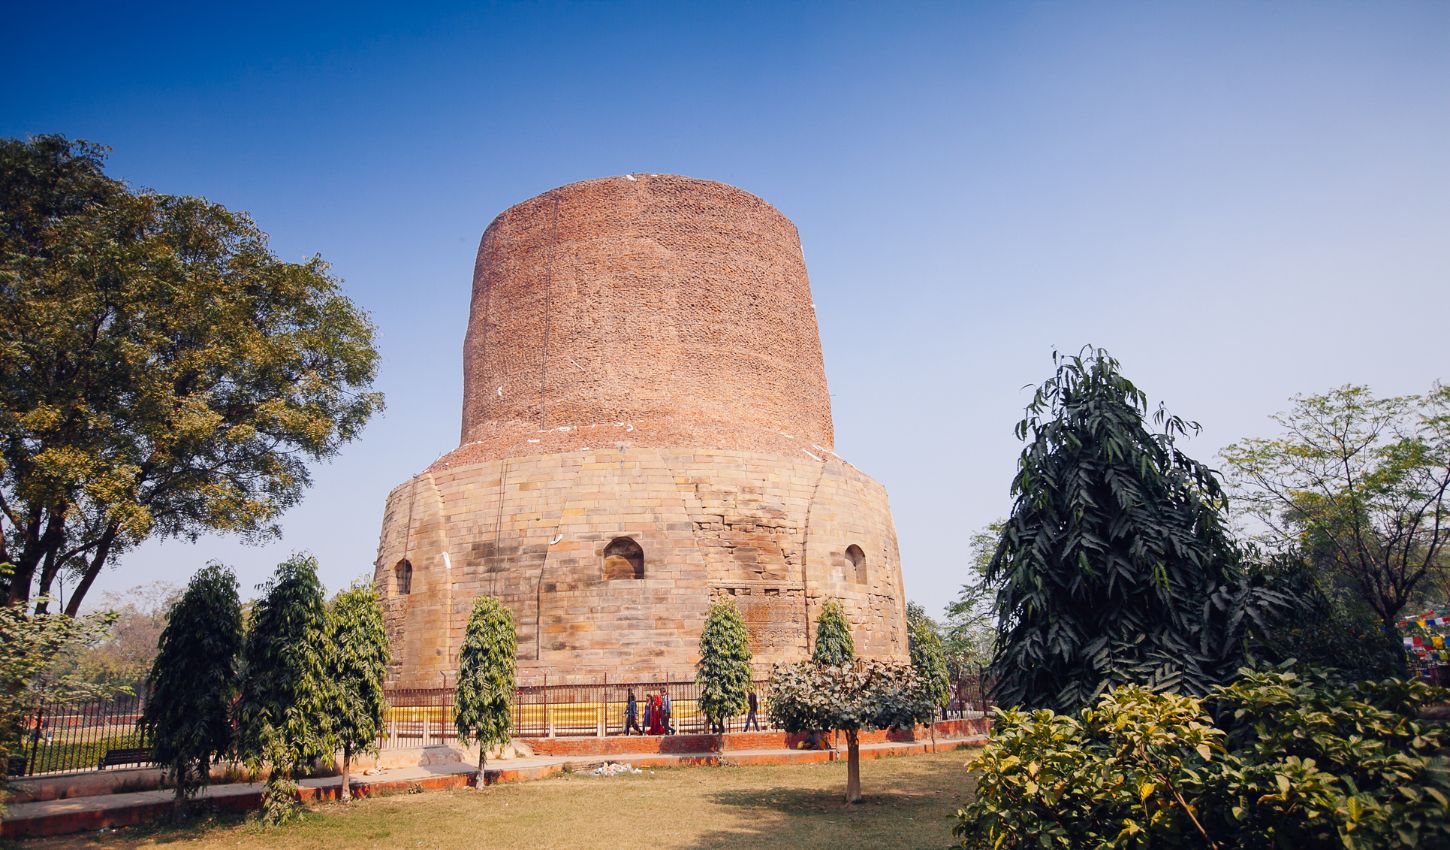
(283, 717)
(487, 672)
(357, 663)
(194, 680)
(833, 636)
(1292, 762)
(724, 669)
(855, 697)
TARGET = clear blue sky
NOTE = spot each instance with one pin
(1240, 201)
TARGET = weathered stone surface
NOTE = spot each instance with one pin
(646, 428)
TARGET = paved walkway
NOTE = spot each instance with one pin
(80, 814)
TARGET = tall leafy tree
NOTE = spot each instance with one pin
(162, 372)
(194, 679)
(1361, 486)
(866, 695)
(357, 662)
(833, 636)
(724, 668)
(1116, 565)
(283, 716)
(487, 671)
(928, 658)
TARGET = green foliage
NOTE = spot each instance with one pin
(1115, 566)
(971, 618)
(357, 663)
(283, 716)
(281, 803)
(863, 695)
(162, 372)
(724, 668)
(1359, 485)
(194, 679)
(30, 644)
(1328, 628)
(1294, 763)
(928, 658)
(487, 666)
(122, 661)
(833, 636)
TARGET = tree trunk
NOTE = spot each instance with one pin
(853, 767)
(346, 774)
(482, 756)
(93, 569)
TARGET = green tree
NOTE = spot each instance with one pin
(283, 716)
(970, 629)
(162, 372)
(833, 636)
(1361, 485)
(928, 658)
(1329, 628)
(121, 662)
(194, 680)
(357, 663)
(862, 695)
(724, 668)
(487, 669)
(30, 646)
(1115, 565)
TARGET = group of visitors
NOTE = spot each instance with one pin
(658, 712)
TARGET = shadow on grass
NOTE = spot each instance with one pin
(916, 808)
(171, 828)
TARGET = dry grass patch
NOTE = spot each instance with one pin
(909, 803)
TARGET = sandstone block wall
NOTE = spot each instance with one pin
(772, 532)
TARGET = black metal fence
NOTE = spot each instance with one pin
(73, 737)
(66, 737)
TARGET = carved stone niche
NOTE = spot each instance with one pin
(773, 615)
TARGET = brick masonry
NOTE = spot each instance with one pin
(641, 362)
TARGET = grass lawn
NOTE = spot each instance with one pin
(910, 803)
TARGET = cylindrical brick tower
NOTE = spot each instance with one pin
(646, 427)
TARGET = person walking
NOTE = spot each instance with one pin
(753, 703)
(655, 716)
(631, 714)
(665, 711)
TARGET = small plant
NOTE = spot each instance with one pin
(357, 661)
(833, 636)
(724, 669)
(486, 676)
(863, 695)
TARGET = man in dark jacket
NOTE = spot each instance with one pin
(753, 704)
(631, 714)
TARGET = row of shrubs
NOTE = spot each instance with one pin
(1276, 759)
